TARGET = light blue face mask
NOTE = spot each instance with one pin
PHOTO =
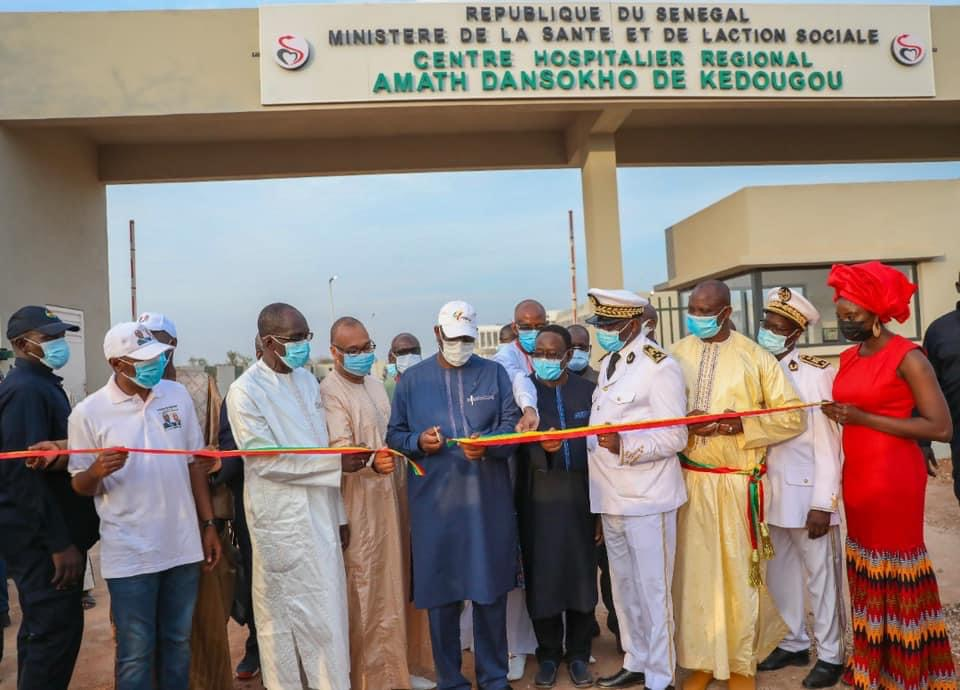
(579, 361)
(609, 340)
(528, 340)
(149, 374)
(704, 327)
(296, 354)
(56, 353)
(359, 364)
(774, 343)
(392, 371)
(547, 369)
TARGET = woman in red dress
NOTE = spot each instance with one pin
(899, 635)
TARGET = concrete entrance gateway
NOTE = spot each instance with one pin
(91, 99)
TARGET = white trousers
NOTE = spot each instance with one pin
(521, 639)
(642, 551)
(814, 565)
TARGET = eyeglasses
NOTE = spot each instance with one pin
(406, 351)
(369, 347)
(283, 340)
(540, 354)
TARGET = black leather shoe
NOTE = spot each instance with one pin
(622, 679)
(823, 675)
(580, 675)
(781, 658)
(547, 674)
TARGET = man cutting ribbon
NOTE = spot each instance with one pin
(727, 620)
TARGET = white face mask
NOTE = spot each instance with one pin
(457, 352)
(404, 362)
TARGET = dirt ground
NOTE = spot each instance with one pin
(95, 665)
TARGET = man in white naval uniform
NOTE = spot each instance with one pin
(636, 485)
(803, 475)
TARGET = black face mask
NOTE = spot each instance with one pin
(856, 331)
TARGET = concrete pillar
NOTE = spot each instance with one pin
(601, 211)
(53, 233)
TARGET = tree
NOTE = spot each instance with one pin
(235, 359)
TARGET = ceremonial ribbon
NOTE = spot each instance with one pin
(205, 453)
(760, 542)
(492, 440)
(598, 429)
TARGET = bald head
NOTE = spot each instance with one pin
(713, 291)
(342, 325)
(403, 342)
(529, 314)
(507, 335)
(580, 336)
(281, 320)
(649, 314)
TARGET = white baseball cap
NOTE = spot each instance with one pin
(458, 319)
(155, 321)
(134, 341)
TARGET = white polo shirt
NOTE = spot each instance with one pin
(148, 519)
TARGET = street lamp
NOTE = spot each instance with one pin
(333, 311)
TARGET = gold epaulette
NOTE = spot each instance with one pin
(656, 354)
(814, 361)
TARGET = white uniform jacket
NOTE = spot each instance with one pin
(645, 478)
(804, 472)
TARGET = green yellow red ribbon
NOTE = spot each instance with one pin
(491, 440)
(597, 429)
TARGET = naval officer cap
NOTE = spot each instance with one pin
(792, 305)
(610, 306)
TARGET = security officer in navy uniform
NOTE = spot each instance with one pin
(45, 528)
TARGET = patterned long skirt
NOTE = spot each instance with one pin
(899, 633)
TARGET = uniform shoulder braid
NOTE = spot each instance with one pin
(654, 353)
(814, 361)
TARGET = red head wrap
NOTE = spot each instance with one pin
(876, 287)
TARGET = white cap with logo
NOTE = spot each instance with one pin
(134, 341)
(155, 321)
(458, 319)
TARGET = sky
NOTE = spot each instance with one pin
(211, 255)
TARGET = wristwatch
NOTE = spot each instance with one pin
(208, 523)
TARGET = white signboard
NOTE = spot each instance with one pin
(335, 53)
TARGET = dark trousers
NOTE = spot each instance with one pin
(489, 644)
(955, 458)
(4, 600)
(243, 594)
(550, 636)
(52, 626)
(606, 592)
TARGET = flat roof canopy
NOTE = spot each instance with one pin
(176, 96)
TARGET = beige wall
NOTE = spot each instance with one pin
(172, 62)
(53, 233)
(825, 224)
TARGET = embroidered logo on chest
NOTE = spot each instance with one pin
(474, 399)
(171, 417)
